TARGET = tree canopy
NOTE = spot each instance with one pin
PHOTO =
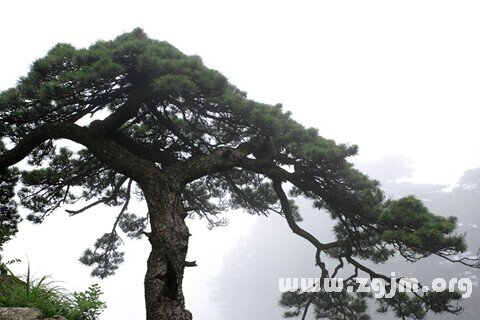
(152, 121)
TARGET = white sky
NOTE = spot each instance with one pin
(394, 77)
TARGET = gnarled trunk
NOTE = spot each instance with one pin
(169, 239)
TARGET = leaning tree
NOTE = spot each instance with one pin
(157, 124)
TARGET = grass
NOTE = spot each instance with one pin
(52, 299)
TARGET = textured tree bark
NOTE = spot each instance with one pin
(165, 267)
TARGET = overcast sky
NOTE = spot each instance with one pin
(394, 77)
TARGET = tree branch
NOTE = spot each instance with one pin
(277, 186)
(113, 196)
(191, 264)
(124, 113)
(106, 150)
(220, 159)
(287, 211)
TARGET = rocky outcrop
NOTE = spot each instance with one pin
(8, 280)
(24, 314)
(20, 314)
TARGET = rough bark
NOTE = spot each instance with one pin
(169, 240)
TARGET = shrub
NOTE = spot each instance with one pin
(52, 299)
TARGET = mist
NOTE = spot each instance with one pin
(248, 285)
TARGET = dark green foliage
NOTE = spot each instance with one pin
(9, 218)
(332, 306)
(87, 304)
(105, 256)
(132, 225)
(416, 232)
(404, 306)
(52, 299)
(407, 306)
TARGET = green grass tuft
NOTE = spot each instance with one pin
(52, 299)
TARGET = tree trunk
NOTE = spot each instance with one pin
(169, 239)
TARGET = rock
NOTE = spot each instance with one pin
(56, 318)
(20, 314)
(8, 280)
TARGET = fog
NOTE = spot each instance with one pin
(400, 79)
(247, 287)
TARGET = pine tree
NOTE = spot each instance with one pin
(178, 135)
